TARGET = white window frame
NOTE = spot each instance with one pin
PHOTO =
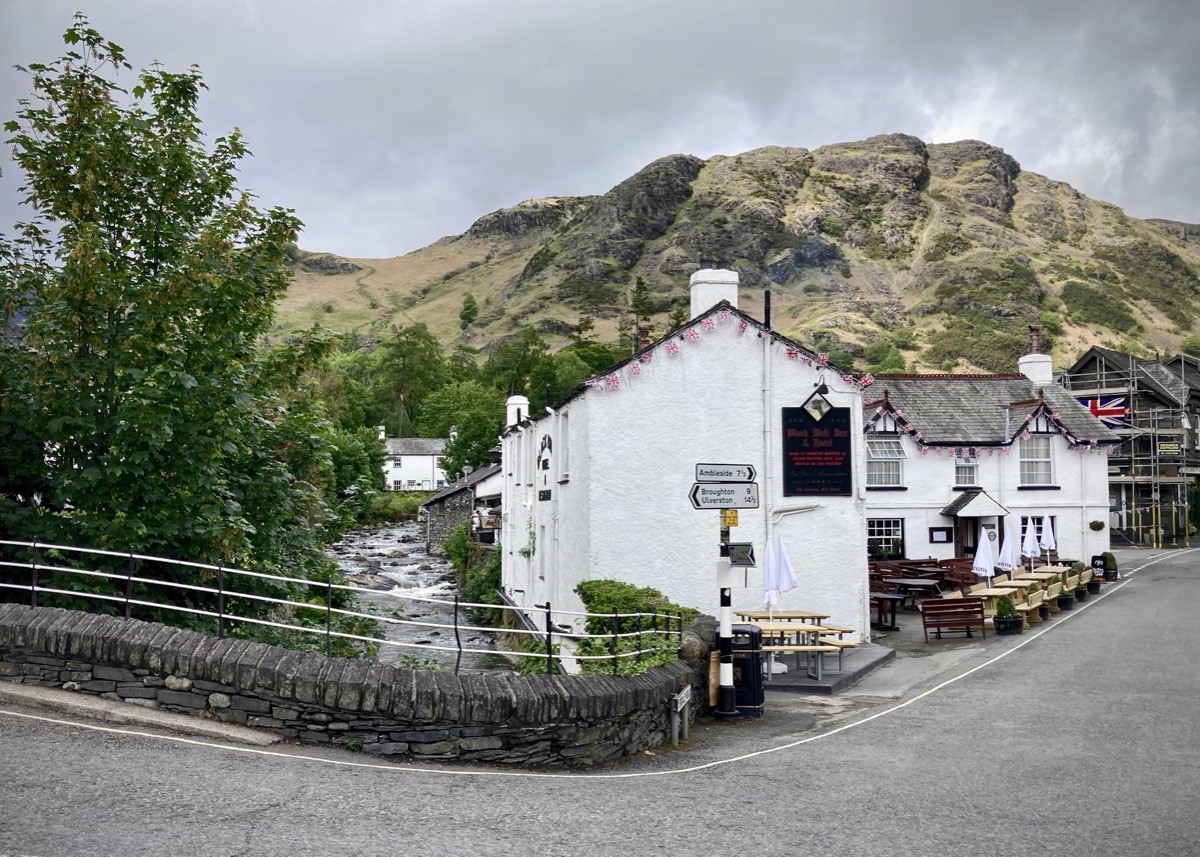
(1037, 460)
(888, 532)
(966, 469)
(885, 462)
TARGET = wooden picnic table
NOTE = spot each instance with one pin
(992, 594)
(782, 615)
(1038, 577)
(885, 610)
(910, 587)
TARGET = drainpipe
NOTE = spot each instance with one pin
(768, 418)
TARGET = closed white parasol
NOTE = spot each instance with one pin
(985, 558)
(1007, 560)
(1029, 545)
(778, 575)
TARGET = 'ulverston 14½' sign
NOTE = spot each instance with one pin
(816, 449)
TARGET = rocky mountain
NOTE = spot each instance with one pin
(946, 252)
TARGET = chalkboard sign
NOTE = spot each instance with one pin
(816, 449)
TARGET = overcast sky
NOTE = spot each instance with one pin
(387, 125)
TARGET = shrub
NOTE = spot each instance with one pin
(1092, 305)
(481, 587)
(608, 596)
(392, 507)
(831, 224)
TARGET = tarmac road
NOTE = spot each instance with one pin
(1076, 738)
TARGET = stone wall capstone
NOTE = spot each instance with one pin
(357, 704)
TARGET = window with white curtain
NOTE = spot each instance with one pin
(885, 459)
(1037, 466)
(966, 468)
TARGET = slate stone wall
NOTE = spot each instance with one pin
(443, 516)
(358, 704)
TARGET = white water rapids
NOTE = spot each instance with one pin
(391, 565)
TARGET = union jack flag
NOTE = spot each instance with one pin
(1113, 411)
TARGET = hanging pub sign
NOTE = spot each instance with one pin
(816, 449)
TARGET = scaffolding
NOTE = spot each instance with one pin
(1152, 475)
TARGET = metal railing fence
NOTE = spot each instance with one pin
(129, 587)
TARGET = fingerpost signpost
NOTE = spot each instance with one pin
(726, 488)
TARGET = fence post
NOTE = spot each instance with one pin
(129, 584)
(639, 636)
(33, 579)
(328, 614)
(616, 629)
(457, 638)
(220, 599)
(549, 640)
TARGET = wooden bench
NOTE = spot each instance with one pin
(816, 665)
(954, 614)
(840, 644)
(1029, 608)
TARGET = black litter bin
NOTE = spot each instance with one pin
(748, 670)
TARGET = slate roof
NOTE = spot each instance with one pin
(464, 483)
(1162, 380)
(415, 445)
(969, 410)
(977, 502)
(801, 352)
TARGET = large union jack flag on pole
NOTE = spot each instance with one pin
(1113, 411)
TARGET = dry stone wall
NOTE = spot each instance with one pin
(357, 704)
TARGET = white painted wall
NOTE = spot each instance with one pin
(423, 470)
(624, 510)
(1081, 497)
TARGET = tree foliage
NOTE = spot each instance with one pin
(474, 412)
(411, 365)
(138, 410)
(469, 311)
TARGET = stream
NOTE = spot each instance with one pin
(393, 569)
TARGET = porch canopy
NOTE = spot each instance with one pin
(974, 503)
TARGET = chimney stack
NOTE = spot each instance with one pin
(1036, 366)
(710, 286)
(518, 409)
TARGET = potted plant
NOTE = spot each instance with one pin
(1110, 566)
(1065, 599)
(1007, 620)
(1093, 584)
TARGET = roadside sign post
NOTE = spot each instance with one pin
(726, 488)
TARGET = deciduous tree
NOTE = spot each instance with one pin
(137, 408)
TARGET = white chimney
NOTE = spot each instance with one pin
(710, 286)
(1037, 367)
(383, 432)
(518, 409)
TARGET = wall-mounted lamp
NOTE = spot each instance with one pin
(822, 389)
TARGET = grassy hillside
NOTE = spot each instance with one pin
(949, 250)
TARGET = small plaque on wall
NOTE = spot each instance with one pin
(940, 535)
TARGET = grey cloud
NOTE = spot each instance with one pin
(387, 126)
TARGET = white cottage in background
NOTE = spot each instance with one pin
(413, 463)
(955, 458)
(606, 484)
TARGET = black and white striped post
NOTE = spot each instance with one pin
(726, 694)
